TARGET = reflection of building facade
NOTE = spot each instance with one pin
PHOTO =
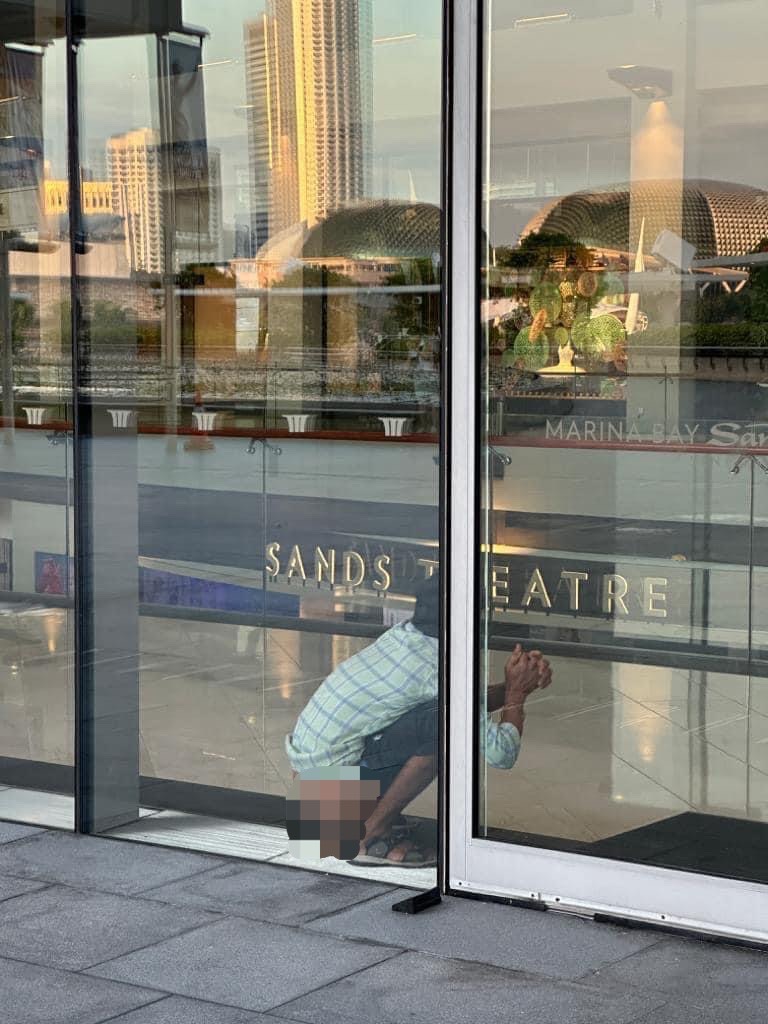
(259, 86)
(309, 90)
(133, 160)
(135, 164)
(717, 218)
(96, 197)
(368, 244)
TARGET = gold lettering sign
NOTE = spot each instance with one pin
(609, 594)
(537, 590)
(499, 586)
(573, 579)
(296, 564)
(654, 601)
(354, 569)
(325, 567)
(614, 591)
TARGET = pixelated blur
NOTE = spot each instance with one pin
(326, 812)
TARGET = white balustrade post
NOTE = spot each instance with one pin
(394, 426)
(121, 418)
(299, 423)
(36, 415)
(205, 421)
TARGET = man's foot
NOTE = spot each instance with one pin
(393, 851)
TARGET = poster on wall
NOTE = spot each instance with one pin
(161, 587)
(54, 574)
(21, 138)
(6, 564)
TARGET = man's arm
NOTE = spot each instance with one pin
(494, 699)
(523, 673)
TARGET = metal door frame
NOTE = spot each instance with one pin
(563, 881)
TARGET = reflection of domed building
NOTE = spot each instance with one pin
(363, 240)
(719, 218)
(389, 230)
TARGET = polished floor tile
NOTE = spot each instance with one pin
(608, 748)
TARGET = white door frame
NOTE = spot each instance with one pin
(565, 881)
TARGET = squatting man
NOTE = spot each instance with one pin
(366, 743)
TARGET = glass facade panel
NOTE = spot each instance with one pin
(259, 310)
(36, 542)
(624, 200)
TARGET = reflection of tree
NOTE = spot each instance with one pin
(413, 313)
(723, 318)
(22, 322)
(107, 327)
(713, 318)
(758, 289)
(318, 320)
(559, 285)
(542, 250)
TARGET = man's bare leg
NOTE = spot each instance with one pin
(414, 777)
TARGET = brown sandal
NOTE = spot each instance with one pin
(377, 854)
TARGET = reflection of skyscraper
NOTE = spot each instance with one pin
(309, 81)
(134, 165)
(259, 88)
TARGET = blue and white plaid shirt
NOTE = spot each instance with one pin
(371, 690)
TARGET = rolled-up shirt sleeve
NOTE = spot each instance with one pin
(502, 743)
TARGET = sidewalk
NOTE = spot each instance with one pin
(95, 930)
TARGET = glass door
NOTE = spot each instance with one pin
(618, 465)
(37, 551)
(260, 300)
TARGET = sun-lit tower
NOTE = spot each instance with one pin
(309, 84)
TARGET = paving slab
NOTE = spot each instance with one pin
(70, 929)
(267, 893)
(109, 865)
(242, 963)
(694, 970)
(739, 1007)
(10, 888)
(433, 990)
(9, 832)
(174, 1010)
(39, 995)
(525, 940)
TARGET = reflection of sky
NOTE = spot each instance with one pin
(560, 62)
(557, 121)
(116, 93)
(533, 67)
(55, 107)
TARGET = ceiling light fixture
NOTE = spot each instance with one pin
(395, 39)
(645, 82)
(542, 19)
(216, 63)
